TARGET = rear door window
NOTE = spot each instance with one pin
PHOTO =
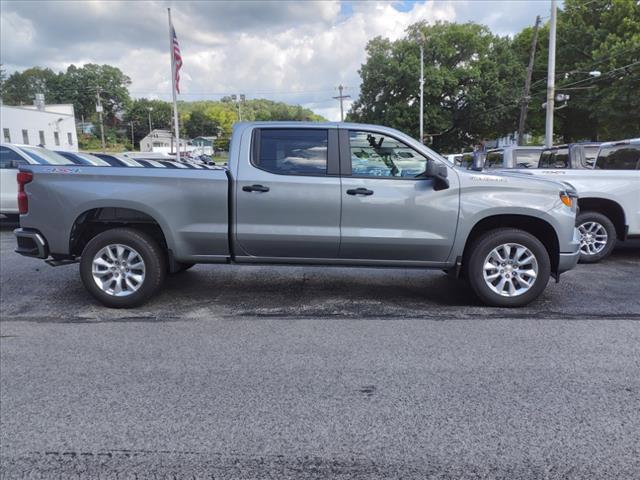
(619, 157)
(291, 151)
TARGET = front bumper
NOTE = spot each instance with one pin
(31, 243)
(569, 260)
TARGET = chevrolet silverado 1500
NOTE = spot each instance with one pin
(301, 193)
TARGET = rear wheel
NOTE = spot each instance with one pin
(508, 267)
(122, 268)
(597, 236)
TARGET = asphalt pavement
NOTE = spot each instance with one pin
(319, 372)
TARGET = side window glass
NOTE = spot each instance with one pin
(560, 158)
(545, 158)
(494, 160)
(10, 159)
(526, 158)
(292, 151)
(625, 157)
(589, 156)
(378, 155)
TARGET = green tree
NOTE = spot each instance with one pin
(602, 36)
(198, 123)
(20, 88)
(80, 86)
(472, 81)
(138, 112)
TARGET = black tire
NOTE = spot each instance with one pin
(152, 255)
(481, 248)
(607, 224)
(182, 267)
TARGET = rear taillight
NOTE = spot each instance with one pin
(23, 200)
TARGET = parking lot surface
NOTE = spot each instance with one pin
(312, 372)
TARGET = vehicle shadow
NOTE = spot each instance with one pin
(317, 291)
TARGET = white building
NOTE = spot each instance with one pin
(162, 141)
(52, 126)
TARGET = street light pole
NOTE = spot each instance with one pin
(133, 147)
(551, 77)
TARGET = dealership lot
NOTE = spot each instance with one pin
(302, 372)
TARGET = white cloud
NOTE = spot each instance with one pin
(291, 51)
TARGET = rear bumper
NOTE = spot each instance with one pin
(569, 260)
(31, 243)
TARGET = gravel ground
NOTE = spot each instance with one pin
(297, 372)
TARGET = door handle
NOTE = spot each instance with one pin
(359, 191)
(255, 188)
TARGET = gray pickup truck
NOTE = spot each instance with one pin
(301, 193)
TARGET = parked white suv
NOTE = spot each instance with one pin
(11, 157)
(609, 197)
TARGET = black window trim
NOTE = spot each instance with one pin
(333, 168)
(345, 155)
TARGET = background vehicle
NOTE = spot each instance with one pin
(513, 157)
(302, 193)
(11, 158)
(609, 198)
(80, 158)
(571, 155)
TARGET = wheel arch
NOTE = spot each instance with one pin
(96, 220)
(536, 226)
(610, 208)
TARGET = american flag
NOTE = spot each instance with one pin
(177, 57)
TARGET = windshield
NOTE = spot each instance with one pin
(621, 157)
(45, 157)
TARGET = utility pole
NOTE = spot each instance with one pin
(150, 110)
(551, 77)
(133, 146)
(527, 83)
(99, 110)
(341, 97)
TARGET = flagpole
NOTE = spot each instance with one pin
(173, 86)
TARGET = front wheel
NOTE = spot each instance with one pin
(122, 267)
(508, 267)
(597, 236)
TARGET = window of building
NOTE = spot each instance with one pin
(42, 142)
(25, 137)
(378, 155)
(7, 135)
(69, 138)
(292, 151)
(56, 138)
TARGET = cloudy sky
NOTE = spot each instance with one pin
(296, 52)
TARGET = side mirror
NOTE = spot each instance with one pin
(438, 172)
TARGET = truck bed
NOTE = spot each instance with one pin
(189, 205)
